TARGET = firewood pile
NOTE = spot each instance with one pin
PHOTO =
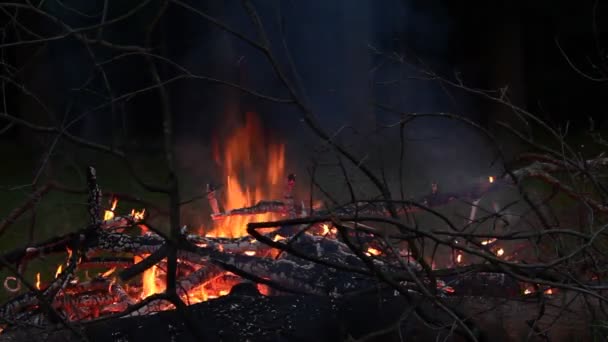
(309, 254)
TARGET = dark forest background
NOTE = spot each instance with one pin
(546, 56)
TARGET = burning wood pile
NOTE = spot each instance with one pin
(317, 254)
(118, 265)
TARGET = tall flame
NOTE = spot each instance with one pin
(38, 280)
(249, 157)
(149, 282)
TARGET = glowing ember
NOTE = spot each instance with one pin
(278, 238)
(527, 291)
(38, 280)
(549, 291)
(448, 289)
(491, 179)
(204, 297)
(250, 253)
(488, 242)
(241, 157)
(459, 258)
(58, 272)
(500, 252)
(372, 251)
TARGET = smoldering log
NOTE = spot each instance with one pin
(245, 315)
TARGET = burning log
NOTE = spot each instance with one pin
(291, 259)
(261, 207)
(246, 315)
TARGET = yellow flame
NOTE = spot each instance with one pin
(278, 238)
(491, 179)
(138, 215)
(459, 258)
(149, 282)
(204, 295)
(223, 292)
(38, 280)
(250, 253)
(527, 291)
(500, 252)
(109, 214)
(325, 229)
(373, 251)
(58, 272)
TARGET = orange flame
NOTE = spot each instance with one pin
(149, 282)
(138, 215)
(38, 280)
(109, 272)
(459, 258)
(243, 155)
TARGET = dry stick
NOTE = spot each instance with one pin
(173, 186)
(525, 114)
(404, 291)
(143, 265)
(68, 31)
(487, 134)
